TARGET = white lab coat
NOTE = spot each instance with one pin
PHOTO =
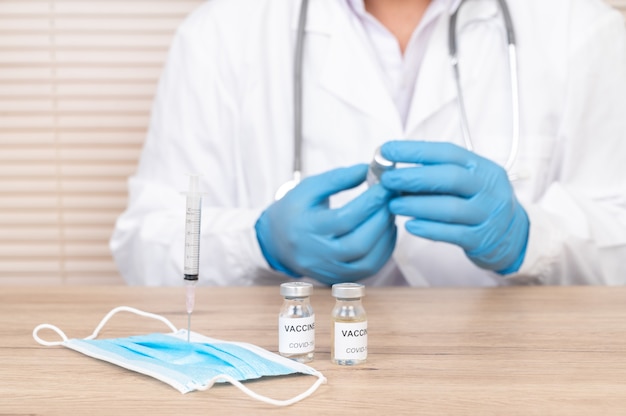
(224, 110)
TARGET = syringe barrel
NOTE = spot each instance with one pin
(193, 216)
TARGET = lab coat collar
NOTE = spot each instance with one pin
(474, 11)
(351, 72)
(319, 17)
(436, 78)
(359, 5)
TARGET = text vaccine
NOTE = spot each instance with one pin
(296, 322)
(349, 325)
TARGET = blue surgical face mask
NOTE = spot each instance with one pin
(187, 366)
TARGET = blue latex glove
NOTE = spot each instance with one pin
(301, 236)
(458, 197)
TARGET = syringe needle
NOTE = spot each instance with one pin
(191, 300)
(188, 326)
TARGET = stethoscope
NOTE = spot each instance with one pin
(453, 52)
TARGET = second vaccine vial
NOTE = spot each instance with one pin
(349, 325)
(296, 322)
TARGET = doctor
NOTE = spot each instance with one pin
(377, 72)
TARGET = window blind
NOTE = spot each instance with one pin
(77, 78)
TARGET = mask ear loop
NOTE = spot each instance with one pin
(132, 310)
(320, 380)
(49, 343)
(99, 327)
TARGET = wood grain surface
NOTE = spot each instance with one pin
(504, 351)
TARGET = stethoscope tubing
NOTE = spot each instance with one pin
(513, 79)
(453, 52)
(297, 104)
(298, 90)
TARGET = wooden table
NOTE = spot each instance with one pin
(505, 351)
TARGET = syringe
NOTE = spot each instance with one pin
(192, 245)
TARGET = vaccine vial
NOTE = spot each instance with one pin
(296, 322)
(377, 167)
(349, 325)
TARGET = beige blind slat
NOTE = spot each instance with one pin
(77, 78)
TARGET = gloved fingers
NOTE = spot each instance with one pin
(464, 236)
(361, 240)
(480, 174)
(330, 279)
(427, 153)
(503, 247)
(336, 271)
(345, 219)
(439, 208)
(331, 271)
(317, 189)
(448, 179)
(375, 259)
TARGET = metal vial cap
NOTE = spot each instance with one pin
(381, 162)
(378, 166)
(296, 289)
(348, 290)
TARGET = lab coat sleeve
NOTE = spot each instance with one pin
(193, 129)
(578, 226)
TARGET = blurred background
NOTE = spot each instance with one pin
(77, 78)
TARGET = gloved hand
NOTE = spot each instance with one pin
(301, 236)
(458, 197)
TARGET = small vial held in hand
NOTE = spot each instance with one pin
(377, 167)
(349, 325)
(296, 322)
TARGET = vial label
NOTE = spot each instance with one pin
(296, 335)
(351, 341)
